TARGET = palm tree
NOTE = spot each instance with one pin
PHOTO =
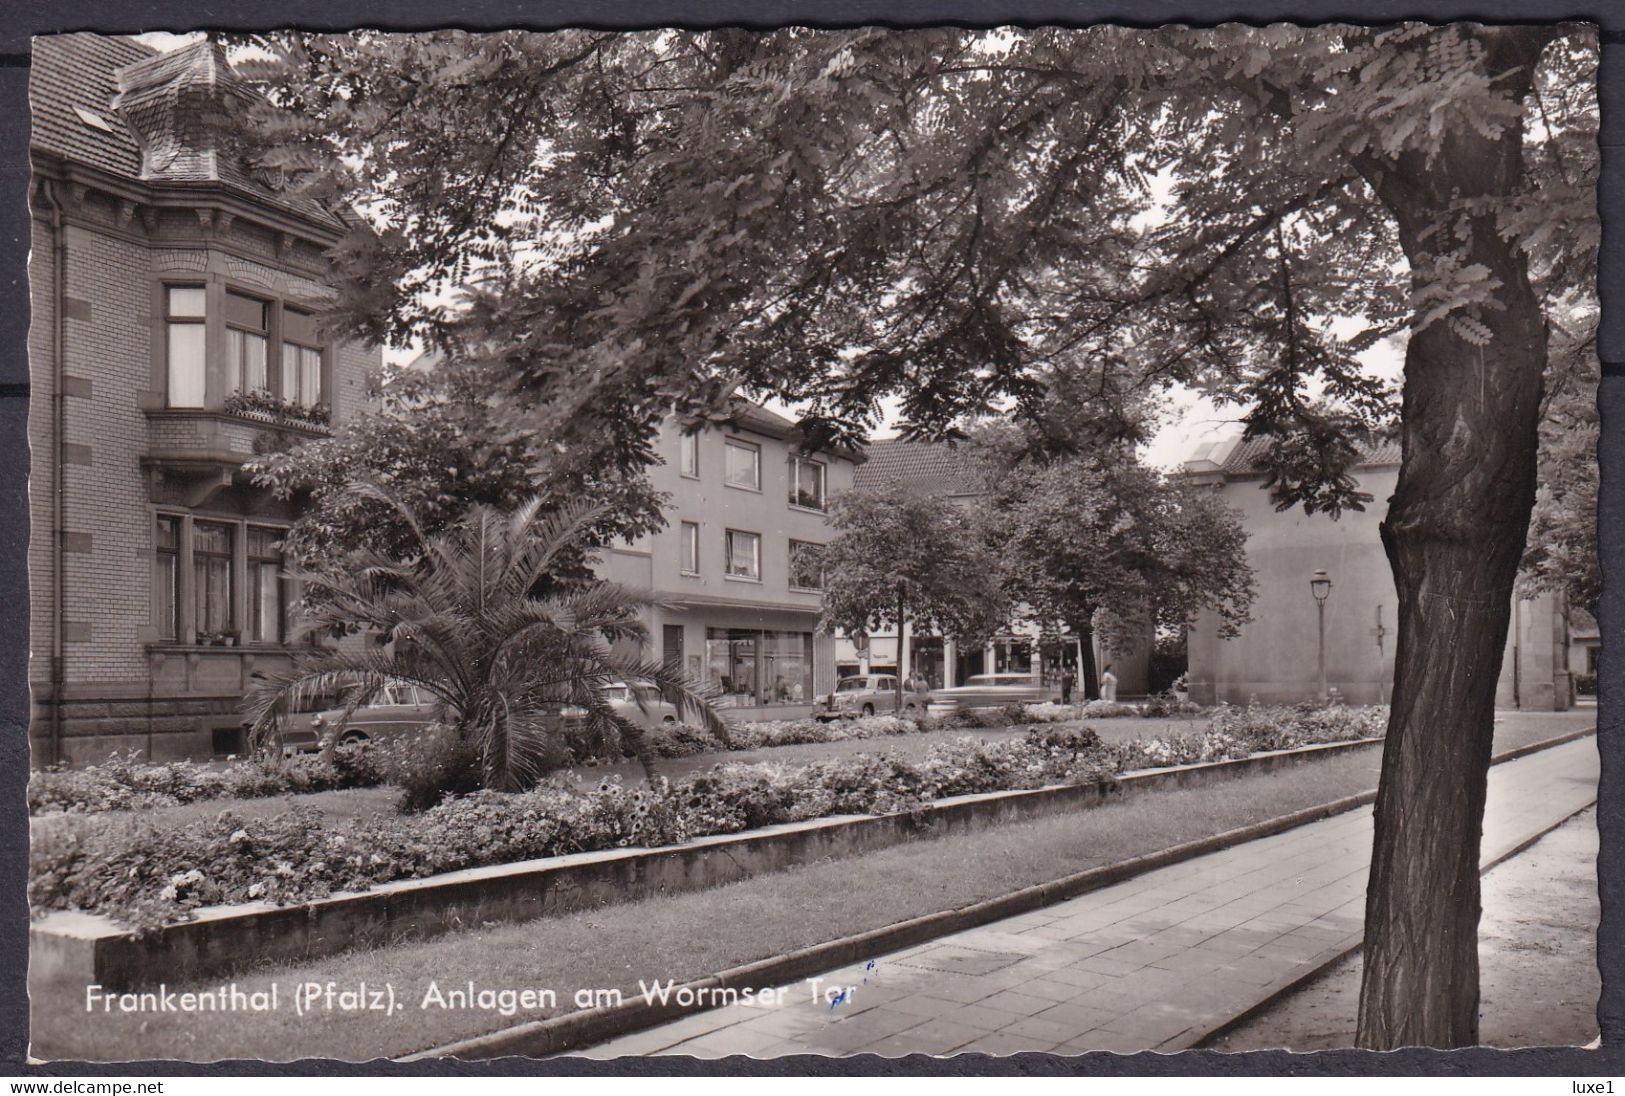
(475, 618)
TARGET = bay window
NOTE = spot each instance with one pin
(248, 334)
(186, 334)
(301, 359)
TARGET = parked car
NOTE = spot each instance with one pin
(641, 703)
(866, 694)
(990, 691)
(393, 710)
(402, 709)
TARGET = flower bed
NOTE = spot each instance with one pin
(684, 740)
(145, 874)
(125, 783)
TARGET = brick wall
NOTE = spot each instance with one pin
(119, 689)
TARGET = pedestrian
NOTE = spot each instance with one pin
(1108, 686)
(1067, 681)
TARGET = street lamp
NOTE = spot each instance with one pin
(1321, 586)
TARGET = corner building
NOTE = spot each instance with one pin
(173, 336)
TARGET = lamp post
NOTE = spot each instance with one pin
(1321, 586)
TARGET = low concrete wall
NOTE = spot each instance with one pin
(72, 950)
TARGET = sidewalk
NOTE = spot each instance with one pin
(1155, 963)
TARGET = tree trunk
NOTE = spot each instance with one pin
(1454, 534)
(902, 641)
(1090, 681)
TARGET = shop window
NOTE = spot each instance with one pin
(751, 667)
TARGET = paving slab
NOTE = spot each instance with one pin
(1154, 963)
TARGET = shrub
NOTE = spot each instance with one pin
(1585, 684)
(426, 766)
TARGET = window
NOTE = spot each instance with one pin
(751, 667)
(806, 565)
(688, 464)
(744, 555)
(166, 577)
(743, 467)
(806, 483)
(185, 310)
(691, 547)
(247, 337)
(301, 358)
(266, 622)
(211, 580)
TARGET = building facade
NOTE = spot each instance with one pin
(1277, 656)
(738, 567)
(174, 298)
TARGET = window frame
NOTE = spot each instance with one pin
(728, 555)
(796, 463)
(286, 342)
(790, 558)
(254, 563)
(199, 602)
(238, 334)
(169, 630)
(756, 464)
(172, 321)
(688, 560)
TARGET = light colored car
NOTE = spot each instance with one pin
(867, 694)
(394, 710)
(641, 703)
(990, 691)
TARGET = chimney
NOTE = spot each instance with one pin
(178, 105)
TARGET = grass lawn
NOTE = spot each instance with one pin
(690, 935)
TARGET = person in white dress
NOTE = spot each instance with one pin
(1108, 686)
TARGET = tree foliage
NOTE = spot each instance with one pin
(439, 445)
(461, 619)
(1101, 534)
(899, 556)
(966, 219)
